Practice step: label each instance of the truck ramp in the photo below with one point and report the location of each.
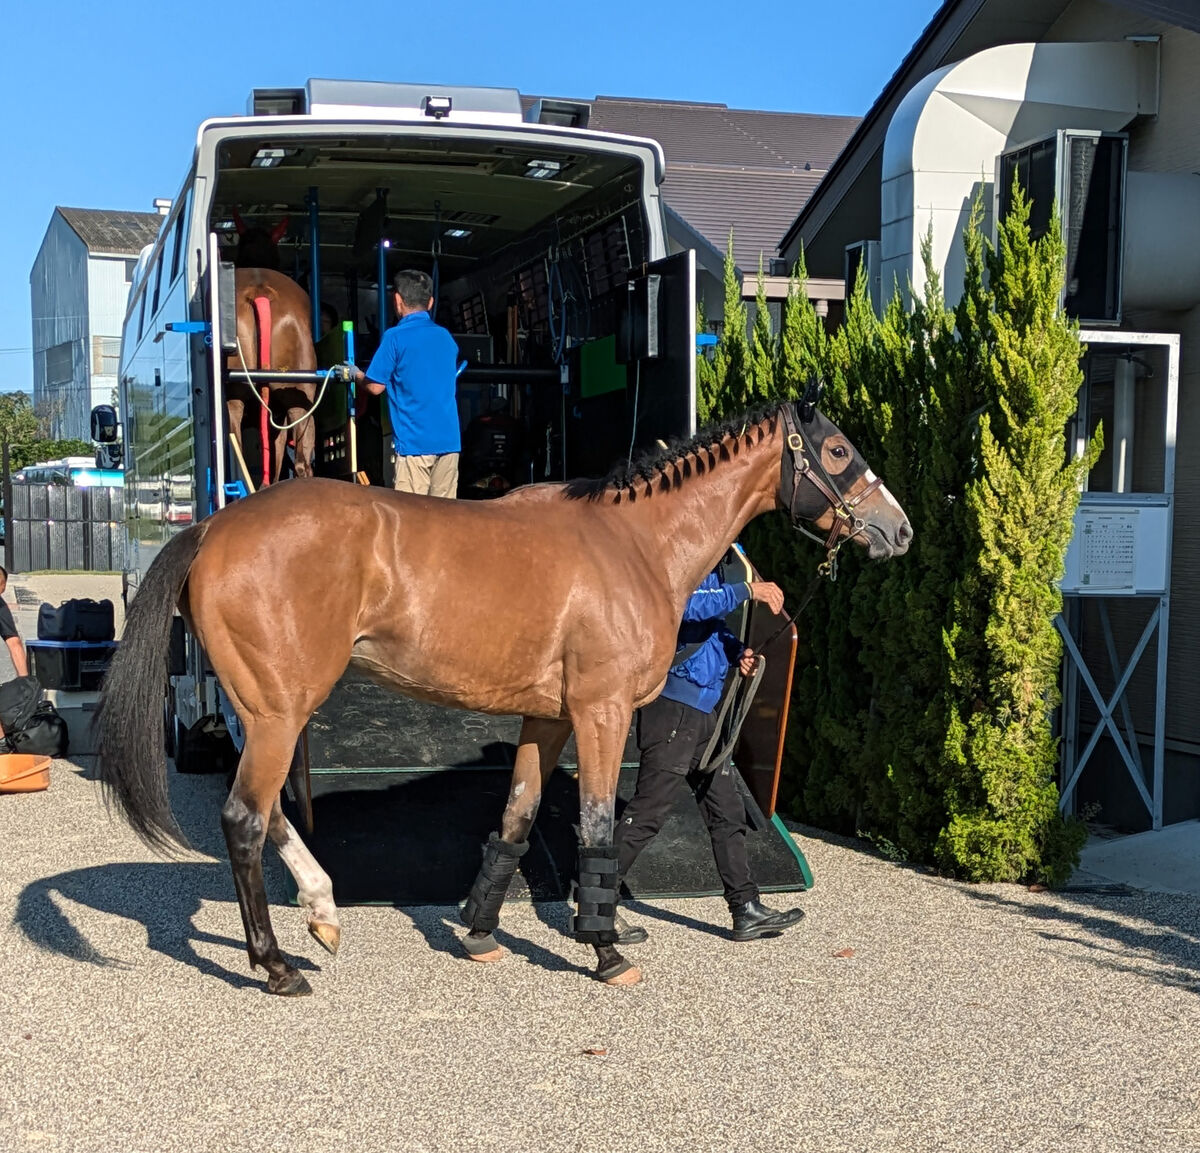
(404, 795)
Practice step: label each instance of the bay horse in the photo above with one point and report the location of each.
(274, 331)
(425, 595)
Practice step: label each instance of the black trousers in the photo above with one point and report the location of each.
(671, 738)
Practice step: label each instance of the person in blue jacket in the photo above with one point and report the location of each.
(673, 732)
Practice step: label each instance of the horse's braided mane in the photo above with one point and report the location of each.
(667, 468)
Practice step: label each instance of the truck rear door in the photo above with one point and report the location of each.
(662, 356)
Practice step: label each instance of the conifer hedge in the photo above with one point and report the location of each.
(926, 686)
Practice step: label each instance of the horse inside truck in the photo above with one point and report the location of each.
(575, 327)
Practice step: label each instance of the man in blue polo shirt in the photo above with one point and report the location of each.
(416, 366)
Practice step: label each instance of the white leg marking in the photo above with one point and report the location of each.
(316, 889)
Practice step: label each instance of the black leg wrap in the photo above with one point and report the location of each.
(596, 894)
(482, 909)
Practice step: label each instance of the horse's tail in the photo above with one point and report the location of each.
(131, 758)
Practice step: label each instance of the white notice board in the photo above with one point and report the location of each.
(1120, 547)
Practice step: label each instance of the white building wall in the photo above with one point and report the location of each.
(108, 292)
(58, 288)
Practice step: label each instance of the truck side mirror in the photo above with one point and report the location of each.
(104, 424)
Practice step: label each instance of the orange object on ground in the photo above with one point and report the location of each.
(24, 773)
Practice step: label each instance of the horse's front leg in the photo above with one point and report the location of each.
(600, 732)
(537, 753)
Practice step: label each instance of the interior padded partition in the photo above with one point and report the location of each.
(415, 838)
(599, 371)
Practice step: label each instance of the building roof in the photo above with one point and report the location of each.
(103, 230)
(731, 168)
(958, 29)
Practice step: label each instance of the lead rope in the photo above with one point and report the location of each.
(274, 424)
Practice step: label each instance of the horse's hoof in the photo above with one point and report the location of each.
(496, 954)
(329, 937)
(291, 983)
(620, 975)
(483, 948)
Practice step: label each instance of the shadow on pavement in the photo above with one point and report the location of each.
(1164, 949)
(163, 896)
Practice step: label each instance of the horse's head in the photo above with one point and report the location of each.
(825, 481)
(258, 247)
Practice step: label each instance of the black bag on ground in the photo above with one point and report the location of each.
(44, 734)
(56, 623)
(94, 620)
(19, 699)
(81, 619)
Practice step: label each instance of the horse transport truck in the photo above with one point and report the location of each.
(576, 328)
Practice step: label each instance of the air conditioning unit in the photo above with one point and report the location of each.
(1083, 173)
(277, 102)
(862, 258)
(563, 113)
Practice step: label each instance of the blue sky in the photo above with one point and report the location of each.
(104, 99)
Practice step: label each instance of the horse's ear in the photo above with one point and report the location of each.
(806, 406)
(278, 232)
(238, 222)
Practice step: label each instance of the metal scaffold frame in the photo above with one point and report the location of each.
(1145, 520)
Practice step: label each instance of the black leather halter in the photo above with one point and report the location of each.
(810, 468)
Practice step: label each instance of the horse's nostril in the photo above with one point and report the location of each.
(904, 533)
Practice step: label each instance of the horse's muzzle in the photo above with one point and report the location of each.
(883, 544)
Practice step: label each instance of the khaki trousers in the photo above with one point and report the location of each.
(428, 475)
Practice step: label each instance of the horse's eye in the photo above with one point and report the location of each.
(838, 452)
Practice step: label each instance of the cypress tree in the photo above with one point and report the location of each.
(803, 347)
(762, 359)
(706, 375)
(731, 364)
(924, 687)
(1001, 754)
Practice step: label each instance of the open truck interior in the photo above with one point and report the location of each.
(540, 254)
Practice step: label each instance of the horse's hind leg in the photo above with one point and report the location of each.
(600, 732)
(537, 753)
(305, 434)
(245, 819)
(312, 882)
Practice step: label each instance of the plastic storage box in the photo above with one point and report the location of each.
(77, 666)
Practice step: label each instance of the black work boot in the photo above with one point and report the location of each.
(628, 934)
(754, 919)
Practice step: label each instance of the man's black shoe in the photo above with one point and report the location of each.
(754, 919)
(628, 934)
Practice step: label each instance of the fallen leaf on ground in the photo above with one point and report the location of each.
(595, 1052)
(844, 953)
